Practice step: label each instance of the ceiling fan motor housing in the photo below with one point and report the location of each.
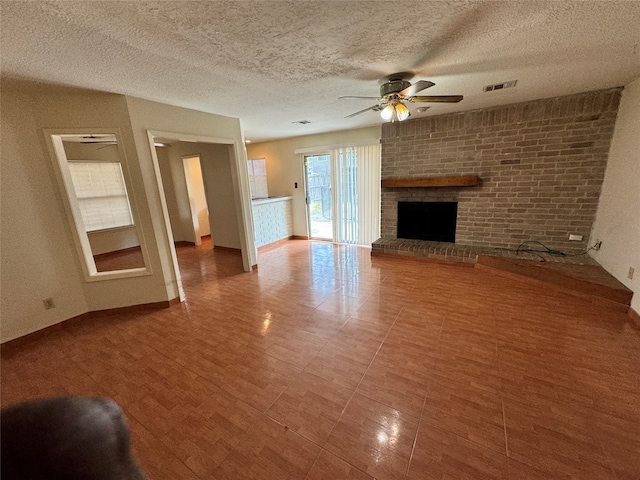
(393, 86)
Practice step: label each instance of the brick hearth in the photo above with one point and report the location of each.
(456, 252)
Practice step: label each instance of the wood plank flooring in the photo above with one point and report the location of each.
(328, 363)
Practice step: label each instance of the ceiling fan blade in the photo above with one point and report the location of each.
(375, 107)
(351, 97)
(437, 99)
(416, 87)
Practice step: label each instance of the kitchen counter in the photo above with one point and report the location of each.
(272, 219)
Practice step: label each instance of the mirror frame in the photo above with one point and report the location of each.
(54, 139)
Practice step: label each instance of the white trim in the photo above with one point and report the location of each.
(54, 141)
(166, 233)
(244, 209)
(241, 191)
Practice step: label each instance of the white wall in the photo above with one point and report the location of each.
(216, 166)
(272, 220)
(72, 110)
(38, 258)
(285, 168)
(166, 172)
(34, 273)
(113, 239)
(189, 124)
(617, 222)
(175, 189)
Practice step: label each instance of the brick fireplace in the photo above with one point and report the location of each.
(540, 165)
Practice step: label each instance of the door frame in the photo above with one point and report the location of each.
(242, 196)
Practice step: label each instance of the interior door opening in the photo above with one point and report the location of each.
(318, 195)
(226, 191)
(343, 194)
(197, 197)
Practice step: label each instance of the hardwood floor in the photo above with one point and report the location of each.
(327, 363)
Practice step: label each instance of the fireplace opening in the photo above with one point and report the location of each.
(432, 221)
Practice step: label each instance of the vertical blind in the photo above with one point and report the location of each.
(101, 194)
(356, 194)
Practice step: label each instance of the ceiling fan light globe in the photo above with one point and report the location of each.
(402, 112)
(387, 113)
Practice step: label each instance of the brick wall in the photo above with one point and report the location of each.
(541, 165)
(272, 220)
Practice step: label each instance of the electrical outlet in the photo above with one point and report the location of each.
(631, 272)
(597, 245)
(48, 303)
(575, 238)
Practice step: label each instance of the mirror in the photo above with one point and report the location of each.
(95, 180)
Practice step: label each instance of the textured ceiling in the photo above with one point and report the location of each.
(272, 63)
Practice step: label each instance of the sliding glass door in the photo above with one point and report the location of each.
(343, 194)
(319, 203)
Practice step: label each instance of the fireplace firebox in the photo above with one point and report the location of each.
(432, 221)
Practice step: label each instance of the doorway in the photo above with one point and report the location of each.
(318, 196)
(197, 197)
(228, 199)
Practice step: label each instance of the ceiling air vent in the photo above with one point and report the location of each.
(500, 86)
(301, 122)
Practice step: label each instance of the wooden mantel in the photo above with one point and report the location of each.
(448, 181)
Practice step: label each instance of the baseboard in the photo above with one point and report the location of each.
(186, 243)
(277, 243)
(183, 243)
(8, 347)
(227, 249)
(299, 237)
(134, 308)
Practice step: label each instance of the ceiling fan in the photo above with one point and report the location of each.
(395, 90)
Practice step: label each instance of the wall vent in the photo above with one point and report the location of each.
(500, 86)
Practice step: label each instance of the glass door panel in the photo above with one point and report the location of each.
(318, 182)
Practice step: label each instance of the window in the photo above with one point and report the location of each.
(101, 193)
(258, 178)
